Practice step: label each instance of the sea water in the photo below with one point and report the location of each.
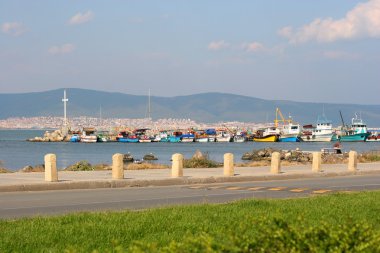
(16, 152)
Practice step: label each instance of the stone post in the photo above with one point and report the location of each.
(177, 165)
(117, 166)
(353, 161)
(275, 167)
(229, 165)
(51, 173)
(317, 162)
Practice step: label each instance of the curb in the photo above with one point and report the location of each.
(124, 183)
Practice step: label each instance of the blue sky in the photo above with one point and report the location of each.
(316, 51)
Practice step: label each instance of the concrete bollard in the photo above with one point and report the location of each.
(177, 165)
(229, 165)
(51, 173)
(117, 166)
(353, 161)
(317, 162)
(275, 166)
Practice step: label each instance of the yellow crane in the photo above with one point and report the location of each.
(278, 113)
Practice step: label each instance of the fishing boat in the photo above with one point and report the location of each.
(88, 135)
(188, 137)
(75, 138)
(269, 134)
(356, 132)
(239, 137)
(374, 137)
(126, 137)
(103, 136)
(289, 131)
(223, 136)
(175, 137)
(323, 132)
(211, 134)
(144, 139)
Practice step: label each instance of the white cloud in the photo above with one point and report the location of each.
(81, 18)
(13, 28)
(64, 49)
(218, 45)
(253, 47)
(362, 21)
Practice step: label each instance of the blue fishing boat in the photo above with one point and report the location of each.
(75, 138)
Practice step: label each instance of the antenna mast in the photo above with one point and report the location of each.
(149, 112)
(64, 100)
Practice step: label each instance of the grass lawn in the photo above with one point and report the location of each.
(336, 223)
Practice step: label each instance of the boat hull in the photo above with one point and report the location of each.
(174, 139)
(205, 139)
(129, 140)
(187, 140)
(354, 137)
(223, 139)
(269, 138)
(317, 138)
(288, 139)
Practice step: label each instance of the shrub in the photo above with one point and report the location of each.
(204, 162)
(80, 166)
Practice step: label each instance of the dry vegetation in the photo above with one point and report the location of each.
(145, 166)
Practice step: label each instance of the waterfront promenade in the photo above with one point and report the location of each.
(34, 181)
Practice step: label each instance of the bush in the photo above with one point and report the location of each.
(200, 163)
(80, 166)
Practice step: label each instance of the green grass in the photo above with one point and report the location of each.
(335, 223)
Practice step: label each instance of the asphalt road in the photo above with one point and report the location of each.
(25, 204)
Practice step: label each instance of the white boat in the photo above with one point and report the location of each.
(239, 138)
(223, 136)
(201, 139)
(322, 133)
(88, 135)
(211, 138)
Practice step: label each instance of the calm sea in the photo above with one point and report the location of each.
(16, 152)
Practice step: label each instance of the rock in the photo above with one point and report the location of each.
(199, 155)
(247, 156)
(261, 153)
(150, 157)
(28, 168)
(287, 155)
(128, 158)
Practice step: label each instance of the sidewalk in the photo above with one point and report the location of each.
(34, 181)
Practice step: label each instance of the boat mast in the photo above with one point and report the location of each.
(341, 117)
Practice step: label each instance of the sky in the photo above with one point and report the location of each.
(314, 51)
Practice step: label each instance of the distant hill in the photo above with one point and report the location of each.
(205, 107)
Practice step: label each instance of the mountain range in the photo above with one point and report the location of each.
(204, 107)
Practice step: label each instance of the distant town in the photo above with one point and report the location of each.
(77, 123)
